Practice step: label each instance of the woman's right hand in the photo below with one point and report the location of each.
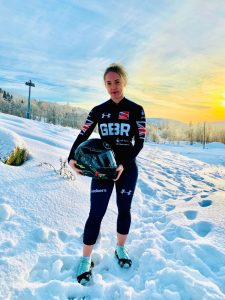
(72, 163)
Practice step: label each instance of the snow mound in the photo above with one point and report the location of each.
(13, 150)
(6, 212)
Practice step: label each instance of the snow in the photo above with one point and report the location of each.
(9, 140)
(176, 239)
(5, 212)
(212, 154)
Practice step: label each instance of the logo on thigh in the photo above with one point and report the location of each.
(99, 191)
(128, 193)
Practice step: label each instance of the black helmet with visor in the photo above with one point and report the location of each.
(96, 159)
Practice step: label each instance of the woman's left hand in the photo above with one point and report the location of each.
(119, 169)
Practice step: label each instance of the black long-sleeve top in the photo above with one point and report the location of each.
(122, 125)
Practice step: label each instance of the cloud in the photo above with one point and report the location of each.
(173, 50)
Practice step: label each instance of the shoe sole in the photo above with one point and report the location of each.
(123, 263)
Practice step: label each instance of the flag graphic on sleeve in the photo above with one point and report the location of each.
(123, 115)
(86, 126)
(141, 129)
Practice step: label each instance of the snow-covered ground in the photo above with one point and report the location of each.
(177, 235)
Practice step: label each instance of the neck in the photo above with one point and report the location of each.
(117, 101)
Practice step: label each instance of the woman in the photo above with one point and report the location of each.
(119, 121)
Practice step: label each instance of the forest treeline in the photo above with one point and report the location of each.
(67, 115)
(172, 132)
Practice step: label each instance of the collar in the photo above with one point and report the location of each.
(118, 104)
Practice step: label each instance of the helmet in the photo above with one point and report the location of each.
(95, 157)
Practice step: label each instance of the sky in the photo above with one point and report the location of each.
(173, 51)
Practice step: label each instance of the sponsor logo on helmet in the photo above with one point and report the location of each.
(106, 146)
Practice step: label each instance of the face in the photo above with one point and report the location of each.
(115, 86)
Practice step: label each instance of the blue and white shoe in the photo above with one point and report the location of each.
(123, 257)
(84, 271)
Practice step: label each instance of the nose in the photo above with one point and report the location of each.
(113, 87)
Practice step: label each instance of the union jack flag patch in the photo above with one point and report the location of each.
(123, 115)
(86, 126)
(141, 129)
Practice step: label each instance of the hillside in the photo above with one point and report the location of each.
(177, 235)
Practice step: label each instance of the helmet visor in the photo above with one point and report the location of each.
(104, 160)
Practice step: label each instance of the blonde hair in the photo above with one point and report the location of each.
(117, 68)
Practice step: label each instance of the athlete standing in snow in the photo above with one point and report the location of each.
(120, 121)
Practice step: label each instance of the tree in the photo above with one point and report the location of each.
(190, 134)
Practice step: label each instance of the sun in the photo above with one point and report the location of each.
(223, 102)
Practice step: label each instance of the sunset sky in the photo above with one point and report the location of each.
(174, 53)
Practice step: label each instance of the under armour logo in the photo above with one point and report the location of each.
(123, 191)
(106, 115)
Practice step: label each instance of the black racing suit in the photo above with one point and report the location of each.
(122, 125)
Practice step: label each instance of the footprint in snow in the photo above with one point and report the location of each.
(169, 172)
(63, 236)
(202, 228)
(188, 199)
(156, 207)
(205, 203)
(173, 231)
(53, 268)
(146, 189)
(195, 186)
(170, 207)
(196, 177)
(160, 183)
(7, 248)
(209, 183)
(204, 196)
(71, 242)
(190, 214)
(40, 235)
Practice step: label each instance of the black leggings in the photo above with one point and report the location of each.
(101, 191)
